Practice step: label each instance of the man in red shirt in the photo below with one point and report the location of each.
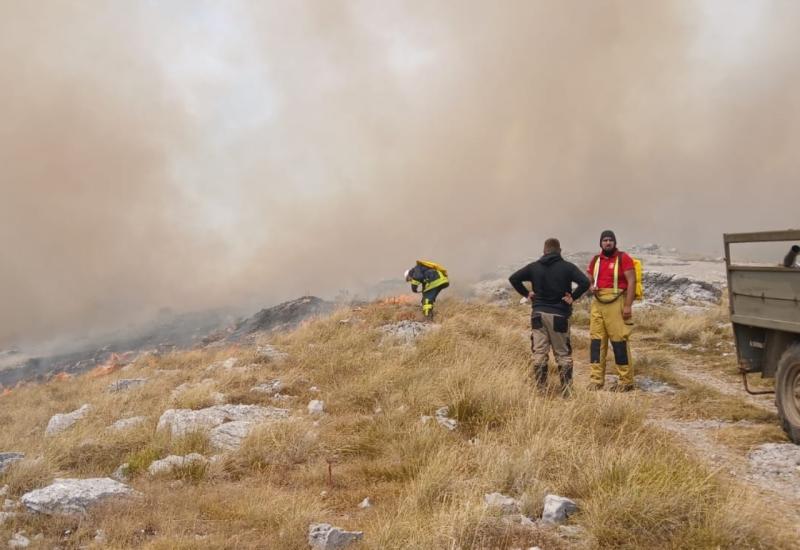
(613, 279)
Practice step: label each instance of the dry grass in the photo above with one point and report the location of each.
(634, 488)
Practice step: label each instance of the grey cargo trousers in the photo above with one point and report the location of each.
(551, 331)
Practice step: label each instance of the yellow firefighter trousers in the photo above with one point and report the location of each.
(606, 324)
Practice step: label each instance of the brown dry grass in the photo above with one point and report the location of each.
(635, 489)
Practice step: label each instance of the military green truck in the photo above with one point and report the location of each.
(765, 313)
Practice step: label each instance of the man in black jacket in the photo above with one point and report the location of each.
(551, 293)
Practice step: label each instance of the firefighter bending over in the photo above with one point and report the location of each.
(430, 278)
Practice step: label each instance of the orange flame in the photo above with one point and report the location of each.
(112, 364)
(400, 299)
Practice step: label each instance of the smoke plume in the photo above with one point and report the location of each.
(198, 154)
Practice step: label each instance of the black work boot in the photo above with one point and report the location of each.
(566, 381)
(540, 377)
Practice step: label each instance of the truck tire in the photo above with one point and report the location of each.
(787, 392)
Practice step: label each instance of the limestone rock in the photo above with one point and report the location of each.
(407, 331)
(315, 406)
(183, 421)
(166, 465)
(7, 459)
(122, 473)
(19, 541)
(229, 436)
(506, 505)
(324, 536)
(557, 509)
(651, 385)
(283, 316)
(60, 422)
(125, 384)
(444, 420)
(128, 423)
(271, 387)
(74, 496)
(674, 289)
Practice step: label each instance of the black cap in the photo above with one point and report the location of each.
(795, 248)
(608, 233)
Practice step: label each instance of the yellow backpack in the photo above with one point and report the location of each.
(432, 265)
(637, 268)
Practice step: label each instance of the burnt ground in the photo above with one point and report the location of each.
(169, 333)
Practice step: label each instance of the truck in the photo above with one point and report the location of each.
(765, 313)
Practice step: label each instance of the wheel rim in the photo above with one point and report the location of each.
(791, 395)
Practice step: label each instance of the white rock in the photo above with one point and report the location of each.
(315, 406)
(60, 422)
(19, 541)
(283, 397)
(314, 389)
(166, 465)
(7, 459)
(122, 473)
(506, 505)
(74, 496)
(323, 536)
(444, 421)
(270, 387)
(100, 537)
(229, 436)
(557, 509)
(365, 503)
(125, 384)
(183, 421)
(407, 331)
(128, 423)
(651, 385)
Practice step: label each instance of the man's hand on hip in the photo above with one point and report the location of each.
(627, 312)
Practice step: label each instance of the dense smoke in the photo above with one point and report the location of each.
(197, 154)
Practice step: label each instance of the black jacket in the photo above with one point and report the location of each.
(423, 275)
(551, 277)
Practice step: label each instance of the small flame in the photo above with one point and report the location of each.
(400, 299)
(113, 363)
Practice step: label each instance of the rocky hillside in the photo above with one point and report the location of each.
(363, 428)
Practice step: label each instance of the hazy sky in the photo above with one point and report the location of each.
(193, 154)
